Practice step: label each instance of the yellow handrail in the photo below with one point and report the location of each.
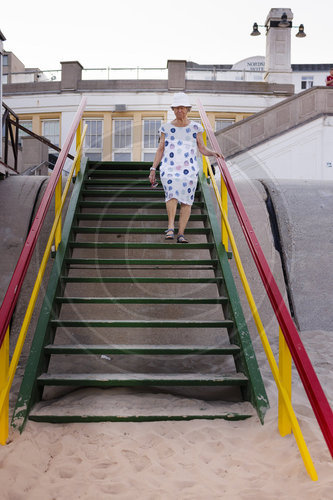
(4, 366)
(283, 392)
(285, 374)
(27, 318)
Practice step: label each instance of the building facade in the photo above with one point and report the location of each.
(123, 116)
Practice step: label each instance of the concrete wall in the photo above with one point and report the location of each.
(291, 140)
(303, 153)
(34, 152)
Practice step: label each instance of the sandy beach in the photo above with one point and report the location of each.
(175, 460)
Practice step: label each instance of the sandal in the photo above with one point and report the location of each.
(181, 239)
(169, 234)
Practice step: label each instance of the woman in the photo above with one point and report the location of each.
(176, 152)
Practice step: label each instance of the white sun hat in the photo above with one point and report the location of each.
(180, 99)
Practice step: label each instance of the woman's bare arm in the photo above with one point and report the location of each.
(203, 148)
(158, 157)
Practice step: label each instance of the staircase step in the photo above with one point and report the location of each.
(135, 217)
(133, 279)
(110, 203)
(147, 246)
(136, 193)
(142, 349)
(140, 300)
(143, 262)
(128, 183)
(97, 323)
(107, 405)
(139, 379)
(117, 165)
(134, 230)
(120, 173)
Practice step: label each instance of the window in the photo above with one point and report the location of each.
(5, 60)
(306, 82)
(51, 130)
(150, 138)
(27, 124)
(122, 140)
(223, 123)
(93, 143)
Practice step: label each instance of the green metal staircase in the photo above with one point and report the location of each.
(134, 327)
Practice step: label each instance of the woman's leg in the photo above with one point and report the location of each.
(171, 207)
(184, 215)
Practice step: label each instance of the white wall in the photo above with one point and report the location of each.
(319, 78)
(305, 152)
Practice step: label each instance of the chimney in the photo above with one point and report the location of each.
(71, 74)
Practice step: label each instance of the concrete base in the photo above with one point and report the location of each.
(18, 196)
(304, 215)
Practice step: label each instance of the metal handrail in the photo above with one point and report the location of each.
(8, 122)
(11, 368)
(311, 384)
(279, 376)
(15, 285)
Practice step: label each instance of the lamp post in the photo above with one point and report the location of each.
(278, 41)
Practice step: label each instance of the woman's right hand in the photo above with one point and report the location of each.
(152, 176)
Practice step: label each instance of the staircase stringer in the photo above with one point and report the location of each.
(247, 363)
(38, 362)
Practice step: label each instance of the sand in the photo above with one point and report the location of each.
(175, 460)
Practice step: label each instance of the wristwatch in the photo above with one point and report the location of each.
(152, 168)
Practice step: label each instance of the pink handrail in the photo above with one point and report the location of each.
(315, 393)
(15, 285)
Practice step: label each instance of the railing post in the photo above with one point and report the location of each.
(78, 140)
(204, 160)
(4, 367)
(285, 376)
(224, 198)
(57, 195)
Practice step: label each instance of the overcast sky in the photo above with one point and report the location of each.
(146, 33)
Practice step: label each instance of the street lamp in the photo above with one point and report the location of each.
(278, 26)
(282, 23)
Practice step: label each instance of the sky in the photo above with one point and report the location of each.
(146, 33)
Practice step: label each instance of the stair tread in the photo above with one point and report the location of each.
(128, 204)
(126, 403)
(134, 279)
(122, 182)
(142, 300)
(111, 164)
(134, 230)
(143, 323)
(140, 246)
(134, 217)
(138, 193)
(144, 262)
(142, 378)
(141, 348)
(118, 172)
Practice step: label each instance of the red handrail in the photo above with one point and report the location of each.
(315, 393)
(15, 285)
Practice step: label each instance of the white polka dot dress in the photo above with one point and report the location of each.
(179, 167)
